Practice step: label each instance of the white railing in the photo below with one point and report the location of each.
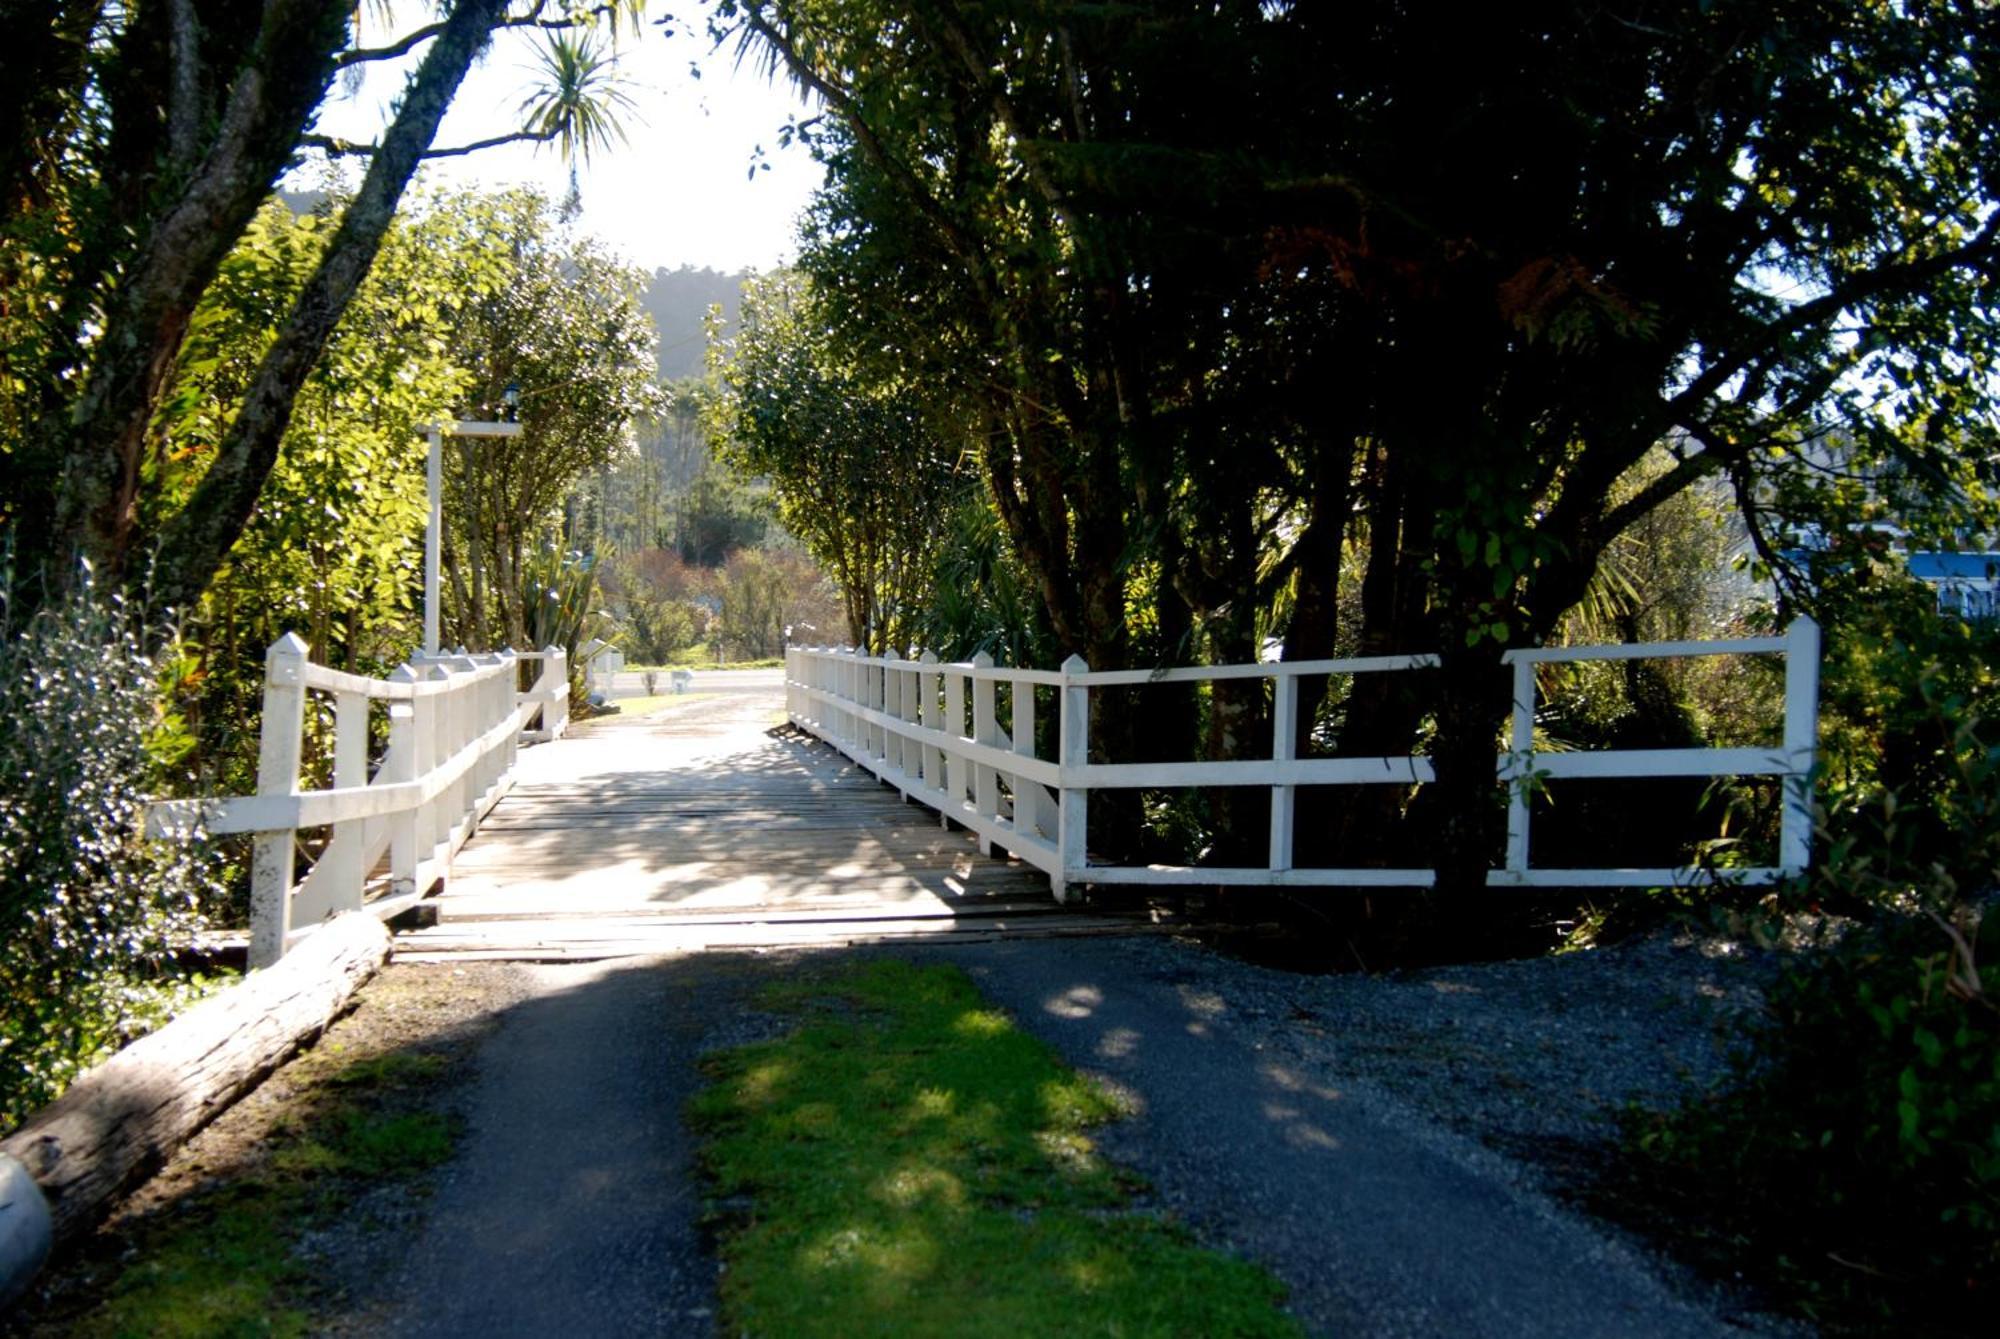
(905, 720)
(454, 724)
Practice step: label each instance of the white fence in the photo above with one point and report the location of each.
(905, 720)
(454, 724)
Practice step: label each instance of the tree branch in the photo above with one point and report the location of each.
(340, 148)
(1983, 246)
(417, 37)
(196, 541)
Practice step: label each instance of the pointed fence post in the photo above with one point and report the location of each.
(892, 707)
(555, 706)
(985, 730)
(1801, 744)
(955, 778)
(1073, 822)
(277, 774)
(928, 713)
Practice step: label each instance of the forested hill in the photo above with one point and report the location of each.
(678, 300)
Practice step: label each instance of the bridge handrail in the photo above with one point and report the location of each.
(905, 720)
(454, 725)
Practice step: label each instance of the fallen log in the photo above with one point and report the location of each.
(121, 1119)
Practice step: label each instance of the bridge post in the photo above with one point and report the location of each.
(1520, 765)
(851, 692)
(892, 707)
(1073, 821)
(335, 882)
(400, 764)
(985, 730)
(878, 702)
(928, 712)
(1801, 744)
(955, 779)
(1284, 749)
(271, 857)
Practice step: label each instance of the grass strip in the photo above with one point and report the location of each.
(221, 1261)
(908, 1162)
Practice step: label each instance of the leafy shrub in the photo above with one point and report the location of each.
(87, 906)
(1858, 1147)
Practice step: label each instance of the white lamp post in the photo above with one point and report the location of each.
(434, 528)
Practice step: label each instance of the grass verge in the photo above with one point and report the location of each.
(222, 1260)
(908, 1162)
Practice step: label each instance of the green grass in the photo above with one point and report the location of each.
(220, 1263)
(908, 1162)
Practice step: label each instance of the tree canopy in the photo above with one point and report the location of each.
(1224, 292)
(137, 143)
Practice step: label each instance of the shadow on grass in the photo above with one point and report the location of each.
(908, 1162)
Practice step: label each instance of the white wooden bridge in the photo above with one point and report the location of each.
(717, 821)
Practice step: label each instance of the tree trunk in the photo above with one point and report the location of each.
(199, 537)
(122, 1118)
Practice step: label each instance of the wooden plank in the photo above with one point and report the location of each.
(634, 838)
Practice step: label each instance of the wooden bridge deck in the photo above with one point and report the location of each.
(709, 826)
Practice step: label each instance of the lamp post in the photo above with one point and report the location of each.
(434, 527)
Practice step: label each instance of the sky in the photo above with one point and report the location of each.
(679, 192)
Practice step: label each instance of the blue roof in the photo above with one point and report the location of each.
(1955, 566)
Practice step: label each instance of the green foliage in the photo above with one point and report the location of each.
(861, 473)
(334, 547)
(979, 596)
(719, 516)
(565, 328)
(1467, 303)
(910, 1163)
(764, 592)
(559, 603)
(1860, 1139)
(88, 907)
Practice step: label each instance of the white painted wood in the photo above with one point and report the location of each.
(1048, 802)
(1211, 673)
(986, 731)
(1735, 646)
(931, 713)
(277, 774)
(1517, 770)
(956, 783)
(399, 767)
(455, 724)
(334, 883)
(892, 710)
(1610, 763)
(1284, 750)
(1252, 772)
(1169, 876)
(1073, 756)
(1631, 878)
(1801, 743)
